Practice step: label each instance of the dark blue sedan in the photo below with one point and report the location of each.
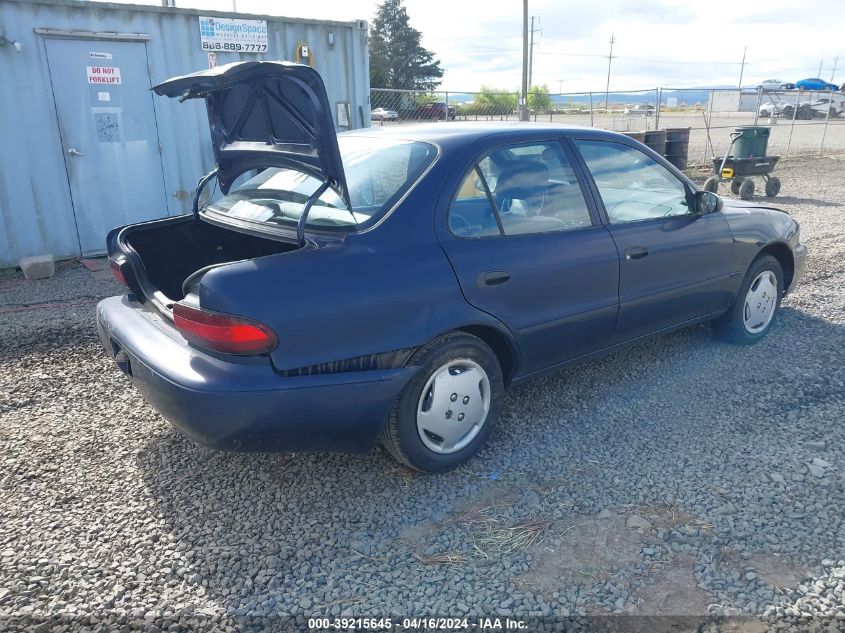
(386, 286)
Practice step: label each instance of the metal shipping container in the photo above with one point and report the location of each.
(87, 146)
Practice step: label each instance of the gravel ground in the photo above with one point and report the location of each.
(699, 478)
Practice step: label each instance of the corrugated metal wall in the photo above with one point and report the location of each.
(36, 212)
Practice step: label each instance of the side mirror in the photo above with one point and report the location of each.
(707, 202)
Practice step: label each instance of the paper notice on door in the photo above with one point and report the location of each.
(342, 114)
(104, 96)
(107, 125)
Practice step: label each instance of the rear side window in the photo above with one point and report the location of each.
(533, 189)
(471, 214)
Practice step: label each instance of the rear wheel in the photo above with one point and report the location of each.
(446, 412)
(735, 183)
(746, 189)
(752, 314)
(711, 184)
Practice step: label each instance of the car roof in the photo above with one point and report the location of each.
(459, 132)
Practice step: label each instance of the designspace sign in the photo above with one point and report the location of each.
(104, 75)
(236, 36)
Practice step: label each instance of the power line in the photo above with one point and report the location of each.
(494, 49)
(647, 60)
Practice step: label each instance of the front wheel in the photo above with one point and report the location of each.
(711, 184)
(751, 316)
(446, 412)
(746, 189)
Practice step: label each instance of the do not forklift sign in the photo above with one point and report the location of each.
(103, 75)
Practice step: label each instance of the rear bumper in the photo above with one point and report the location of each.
(243, 405)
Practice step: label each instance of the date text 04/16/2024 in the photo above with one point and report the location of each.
(416, 624)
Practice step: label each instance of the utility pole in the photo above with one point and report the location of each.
(531, 50)
(523, 97)
(560, 86)
(609, 59)
(742, 67)
(835, 64)
(819, 74)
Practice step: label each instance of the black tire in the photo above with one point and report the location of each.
(772, 186)
(735, 184)
(746, 189)
(764, 113)
(400, 437)
(711, 184)
(730, 326)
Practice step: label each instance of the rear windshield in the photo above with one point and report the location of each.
(378, 173)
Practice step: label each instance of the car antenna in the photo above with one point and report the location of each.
(200, 186)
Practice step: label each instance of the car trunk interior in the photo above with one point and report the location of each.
(171, 252)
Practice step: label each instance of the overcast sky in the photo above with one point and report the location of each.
(672, 43)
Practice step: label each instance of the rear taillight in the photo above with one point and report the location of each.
(223, 332)
(117, 271)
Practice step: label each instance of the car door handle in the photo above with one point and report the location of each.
(636, 252)
(493, 278)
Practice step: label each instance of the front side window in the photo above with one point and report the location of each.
(533, 189)
(632, 185)
(378, 172)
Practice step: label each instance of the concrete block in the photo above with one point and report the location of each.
(38, 267)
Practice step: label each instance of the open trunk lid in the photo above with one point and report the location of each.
(266, 114)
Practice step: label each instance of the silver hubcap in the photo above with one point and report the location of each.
(760, 302)
(453, 406)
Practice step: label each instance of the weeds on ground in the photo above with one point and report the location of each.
(495, 534)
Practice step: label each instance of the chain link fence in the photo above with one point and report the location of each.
(802, 122)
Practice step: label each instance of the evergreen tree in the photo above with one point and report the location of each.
(397, 59)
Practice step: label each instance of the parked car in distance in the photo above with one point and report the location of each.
(815, 84)
(436, 111)
(777, 108)
(383, 114)
(818, 108)
(773, 84)
(836, 105)
(386, 286)
(644, 109)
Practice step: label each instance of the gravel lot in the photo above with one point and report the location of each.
(698, 478)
